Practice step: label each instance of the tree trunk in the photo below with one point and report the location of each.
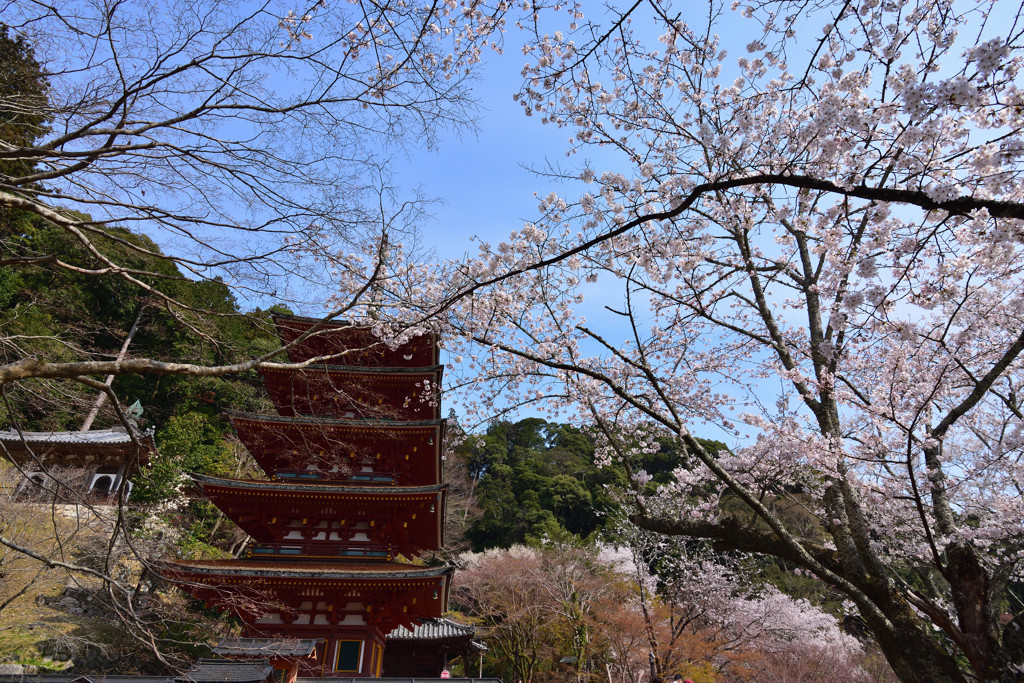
(914, 655)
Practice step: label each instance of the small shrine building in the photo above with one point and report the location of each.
(95, 464)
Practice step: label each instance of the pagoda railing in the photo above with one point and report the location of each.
(363, 551)
(377, 478)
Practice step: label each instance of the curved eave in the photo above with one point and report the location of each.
(75, 449)
(250, 504)
(343, 392)
(251, 587)
(285, 487)
(335, 448)
(294, 570)
(358, 370)
(302, 421)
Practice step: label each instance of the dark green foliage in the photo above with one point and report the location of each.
(189, 442)
(23, 100)
(60, 315)
(537, 480)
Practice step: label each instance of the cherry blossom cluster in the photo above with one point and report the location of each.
(817, 258)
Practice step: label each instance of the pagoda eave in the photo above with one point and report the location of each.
(410, 452)
(270, 596)
(408, 519)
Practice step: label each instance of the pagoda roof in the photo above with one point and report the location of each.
(357, 369)
(297, 570)
(354, 343)
(407, 519)
(318, 488)
(93, 448)
(347, 392)
(382, 595)
(266, 647)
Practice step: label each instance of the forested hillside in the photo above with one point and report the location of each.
(534, 480)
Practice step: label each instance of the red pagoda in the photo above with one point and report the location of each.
(353, 497)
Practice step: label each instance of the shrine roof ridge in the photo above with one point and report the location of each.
(268, 484)
(311, 420)
(94, 436)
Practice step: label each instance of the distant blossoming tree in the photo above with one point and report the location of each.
(550, 611)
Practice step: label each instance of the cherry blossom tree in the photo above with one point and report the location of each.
(706, 615)
(813, 246)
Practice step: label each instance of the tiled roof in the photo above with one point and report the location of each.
(95, 436)
(433, 629)
(266, 647)
(203, 671)
(92, 678)
(227, 671)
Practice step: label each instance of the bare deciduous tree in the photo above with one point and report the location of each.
(250, 141)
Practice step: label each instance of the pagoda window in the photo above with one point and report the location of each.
(349, 655)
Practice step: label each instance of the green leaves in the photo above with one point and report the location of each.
(190, 442)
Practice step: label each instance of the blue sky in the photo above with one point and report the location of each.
(479, 176)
